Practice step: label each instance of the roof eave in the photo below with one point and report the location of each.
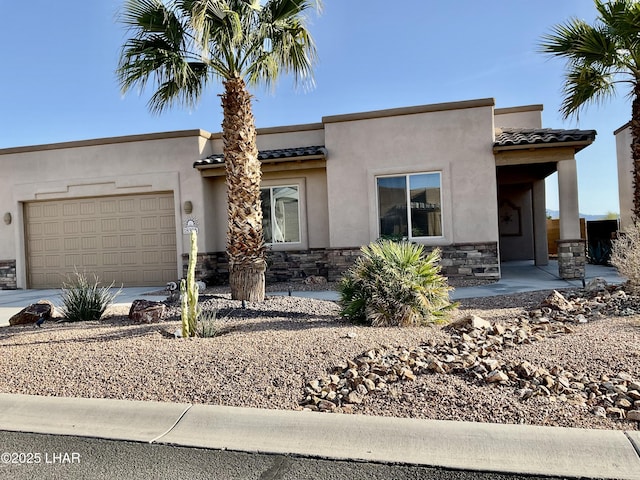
(577, 145)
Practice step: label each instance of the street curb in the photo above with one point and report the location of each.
(517, 449)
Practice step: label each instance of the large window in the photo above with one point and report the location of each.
(281, 214)
(410, 205)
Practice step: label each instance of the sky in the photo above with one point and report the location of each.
(58, 82)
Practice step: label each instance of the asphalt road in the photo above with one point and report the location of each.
(65, 457)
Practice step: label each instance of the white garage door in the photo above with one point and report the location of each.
(130, 240)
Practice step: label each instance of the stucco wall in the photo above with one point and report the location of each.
(313, 208)
(454, 141)
(120, 166)
(625, 179)
(529, 116)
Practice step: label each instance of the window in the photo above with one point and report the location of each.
(411, 212)
(281, 214)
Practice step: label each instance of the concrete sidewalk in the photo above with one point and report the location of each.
(482, 447)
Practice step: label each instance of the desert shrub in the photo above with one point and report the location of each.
(207, 325)
(395, 284)
(625, 256)
(85, 300)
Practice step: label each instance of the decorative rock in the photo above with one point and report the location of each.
(557, 301)
(326, 406)
(616, 412)
(315, 280)
(42, 310)
(145, 311)
(473, 350)
(496, 376)
(472, 321)
(354, 397)
(596, 284)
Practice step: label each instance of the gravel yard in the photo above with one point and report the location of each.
(268, 354)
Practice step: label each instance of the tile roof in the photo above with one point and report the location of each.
(279, 153)
(513, 137)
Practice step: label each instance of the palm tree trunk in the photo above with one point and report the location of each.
(635, 149)
(245, 245)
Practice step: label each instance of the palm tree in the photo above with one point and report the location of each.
(600, 57)
(182, 45)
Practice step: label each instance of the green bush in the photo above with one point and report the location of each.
(84, 300)
(395, 284)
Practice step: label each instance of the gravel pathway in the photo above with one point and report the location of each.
(267, 353)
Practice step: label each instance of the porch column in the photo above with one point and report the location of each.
(540, 246)
(568, 196)
(571, 248)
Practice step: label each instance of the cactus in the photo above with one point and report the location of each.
(189, 292)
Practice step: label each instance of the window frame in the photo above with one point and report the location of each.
(300, 184)
(407, 177)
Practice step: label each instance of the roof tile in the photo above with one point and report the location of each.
(284, 153)
(531, 136)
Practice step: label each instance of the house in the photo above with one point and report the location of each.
(464, 176)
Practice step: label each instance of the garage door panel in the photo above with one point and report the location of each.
(128, 225)
(52, 245)
(70, 227)
(71, 209)
(109, 225)
(167, 240)
(127, 240)
(110, 242)
(71, 261)
(51, 211)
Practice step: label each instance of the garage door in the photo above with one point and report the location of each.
(130, 240)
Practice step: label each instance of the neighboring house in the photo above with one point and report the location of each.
(625, 175)
(462, 176)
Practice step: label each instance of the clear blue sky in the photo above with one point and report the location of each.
(58, 82)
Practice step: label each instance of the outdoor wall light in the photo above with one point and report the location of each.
(188, 207)
(7, 218)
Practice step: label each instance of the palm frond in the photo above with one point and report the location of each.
(585, 84)
(599, 56)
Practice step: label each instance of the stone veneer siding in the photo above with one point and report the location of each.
(479, 260)
(571, 258)
(8, 275)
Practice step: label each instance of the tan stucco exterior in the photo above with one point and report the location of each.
(625, 178)
(455, 141)
(338, 201)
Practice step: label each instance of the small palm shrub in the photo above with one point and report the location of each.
(625, 256)
(84, 300)
(395, 284)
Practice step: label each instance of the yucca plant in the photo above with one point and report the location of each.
(84, 300)
(395, 284)
(208, 325)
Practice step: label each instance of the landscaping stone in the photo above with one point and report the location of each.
(472, 351)
(36, 312)
(146, 311)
